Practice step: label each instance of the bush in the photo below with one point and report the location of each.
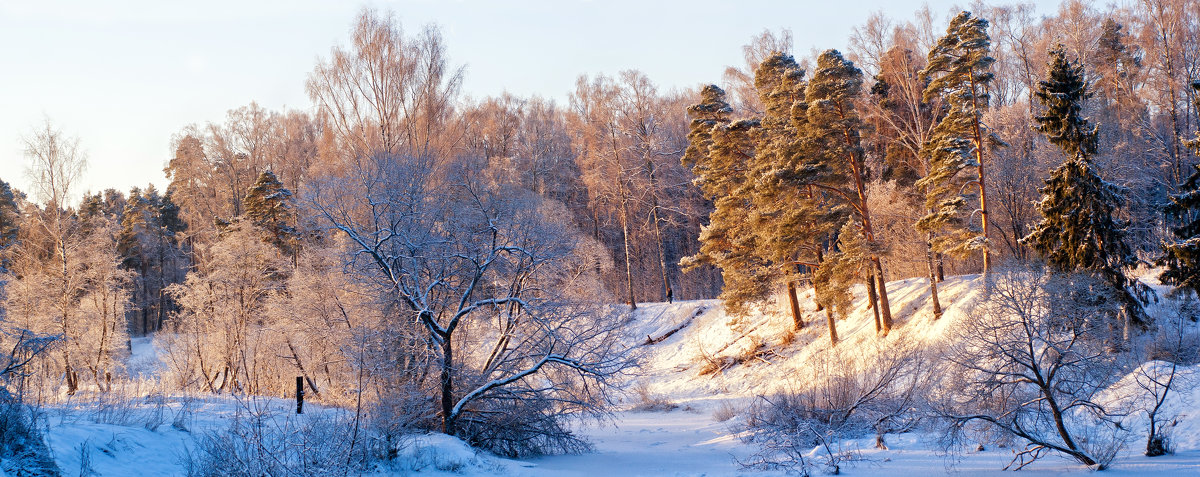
(801, 430)
(261, 441)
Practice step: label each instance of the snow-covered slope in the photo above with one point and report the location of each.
(762, 353)
(698, 360)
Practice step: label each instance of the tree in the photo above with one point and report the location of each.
(56, 163)
(959, 72)
(835, 131)
(1181, 256)
(223, 311)
(906, 123)
(148, 246)
(10, 217)
(269, 207)
(1079, 230)
(1029, 363)
(720, 153)
(388, 92)
(498, 285)
(606, 166)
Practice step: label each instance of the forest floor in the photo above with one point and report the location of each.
(702, 368)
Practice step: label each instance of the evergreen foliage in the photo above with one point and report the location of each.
(1181, 257)
(9, 220)
(959, 71)
(269, 207)
(1079, 230)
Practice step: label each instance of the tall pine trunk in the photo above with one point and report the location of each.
(794, 301)
(833, 336)
(933, 290)
(872, 298)
(977, 130)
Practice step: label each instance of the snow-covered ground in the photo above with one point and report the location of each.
(683, 343)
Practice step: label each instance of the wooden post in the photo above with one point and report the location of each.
(299, 395)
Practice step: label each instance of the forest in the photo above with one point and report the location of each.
(430, 262)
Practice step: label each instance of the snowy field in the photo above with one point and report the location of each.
(688, 434)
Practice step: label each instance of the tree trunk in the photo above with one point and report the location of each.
(833, 337)
(662, 253)
(623, 193)
(447, 385)
(977, 129)
(628, 264)
(873, 299)
(885, 307)
(797, 317)
(941, 268)
(933, 291)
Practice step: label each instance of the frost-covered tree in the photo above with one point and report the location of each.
(834, 131)
(1030, 362)
(223, 314)
(959, 72)
(499, 287)
(1080, 230)
(269, 207)
(1181, 256)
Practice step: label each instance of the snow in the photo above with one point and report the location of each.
(677, 340)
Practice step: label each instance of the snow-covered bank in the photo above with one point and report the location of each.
(702, 364)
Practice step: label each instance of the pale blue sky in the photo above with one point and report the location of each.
(126, 75)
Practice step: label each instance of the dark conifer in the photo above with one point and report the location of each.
(1079, 230)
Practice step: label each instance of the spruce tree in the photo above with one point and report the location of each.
(1181, 256)
(269, 207)
(1079, 230)
(9, 221)
(959, 72)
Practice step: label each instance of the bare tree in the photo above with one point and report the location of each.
(387, 92)
(1030, 362)
(499, 287)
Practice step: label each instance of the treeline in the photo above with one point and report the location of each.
(1060, 138)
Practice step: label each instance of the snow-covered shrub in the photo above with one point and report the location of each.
(725, 411)
(519, 427)
(648, 400)
(844, 397)
(262, 440)
(22, 449)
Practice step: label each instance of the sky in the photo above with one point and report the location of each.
(125, 76)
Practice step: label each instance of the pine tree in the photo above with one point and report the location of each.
(9, 220)
(832, 280)
(710, 112)
(269, 207)
(834, 131)
(1079, 230)
(959, 72)
(1181, 257)
(719, 153)
(788, 218)
(729, 241)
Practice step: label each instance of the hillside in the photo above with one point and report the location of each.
(701, 369)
